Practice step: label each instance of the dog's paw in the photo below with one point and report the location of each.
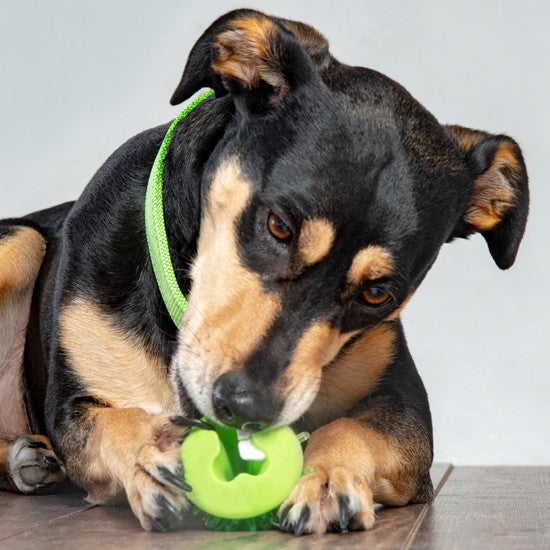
(328, 500)
(156, 491)
(32, 466)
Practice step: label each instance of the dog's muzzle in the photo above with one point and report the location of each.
(243, 404)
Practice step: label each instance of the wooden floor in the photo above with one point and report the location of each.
(475, 508)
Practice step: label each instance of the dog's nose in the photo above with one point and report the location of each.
(240, 403)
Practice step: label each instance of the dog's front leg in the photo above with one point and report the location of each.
(350, 465)
(129, 450)
(110, 413)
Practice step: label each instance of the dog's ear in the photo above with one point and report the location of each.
(257, 58)
(499, 201)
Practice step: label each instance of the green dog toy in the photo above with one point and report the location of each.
(238, 480)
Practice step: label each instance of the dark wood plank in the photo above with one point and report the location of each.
(117, 527)
(19, 513)
(485, 508)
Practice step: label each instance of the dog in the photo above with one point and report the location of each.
(304, 204)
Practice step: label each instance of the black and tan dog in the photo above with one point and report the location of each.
(304, 203)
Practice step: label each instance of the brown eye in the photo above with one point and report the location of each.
(375, 296)
(278, 228)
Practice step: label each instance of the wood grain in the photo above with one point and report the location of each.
(20, 513)
(117, 527)
(489, 508)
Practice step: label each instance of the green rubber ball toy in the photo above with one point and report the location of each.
(225, 485)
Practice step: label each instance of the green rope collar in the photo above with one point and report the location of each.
(155, 228)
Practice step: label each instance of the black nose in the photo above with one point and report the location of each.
(241, 403)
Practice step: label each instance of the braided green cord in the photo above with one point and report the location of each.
(155, 227)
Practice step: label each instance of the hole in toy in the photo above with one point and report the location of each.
(229, 440)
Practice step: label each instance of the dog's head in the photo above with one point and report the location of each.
(324, 206)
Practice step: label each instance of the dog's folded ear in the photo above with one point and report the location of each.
(257, 58)
(499, 201)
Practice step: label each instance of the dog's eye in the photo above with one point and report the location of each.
(278, 228)
(375, 296)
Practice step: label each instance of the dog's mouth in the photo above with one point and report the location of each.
(225, 415)
(190, 399)
(213, 379)
(232, 399)
(220, 416)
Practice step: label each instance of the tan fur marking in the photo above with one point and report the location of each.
(228, 309)
(493, 194)
(411, 441)
(21, 255)
(385, 491)
(126, 449)
(236, 309)
(315, 241)
(259, 28)
(317, 346)
(114, 366)
(13, 416)
(354, 374)
(372, 262)
(343, 441)
(368, 454)
(246, 53)
(111, 451)
(507, 156)
(348, 458)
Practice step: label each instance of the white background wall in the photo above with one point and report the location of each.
(78, 78)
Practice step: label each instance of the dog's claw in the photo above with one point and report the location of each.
(344, 513)
(185, 421)
(174, 479)
(282, 517)
(285, 523)
(165, 503)
(300, 526)
(203, 425)
(285, 512)
(156, 524)
(52, 464)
